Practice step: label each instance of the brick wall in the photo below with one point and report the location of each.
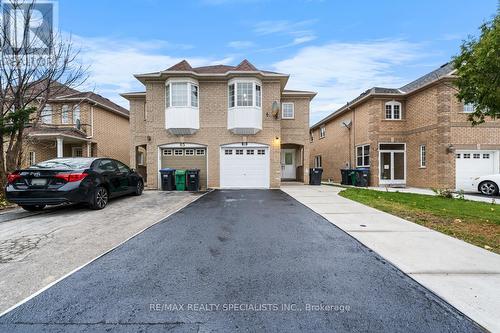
(432, 117)
(213, 130)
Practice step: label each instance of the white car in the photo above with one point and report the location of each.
(487, 185)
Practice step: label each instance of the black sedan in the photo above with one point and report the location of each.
(72, 180)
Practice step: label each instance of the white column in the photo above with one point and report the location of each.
(59, 147)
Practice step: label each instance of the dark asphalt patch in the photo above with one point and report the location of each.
(243, 260)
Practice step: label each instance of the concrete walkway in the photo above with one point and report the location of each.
(467, 196)
(464, 275)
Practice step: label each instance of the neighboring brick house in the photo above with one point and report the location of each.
(74, 124)
(237, 124)
(417, 135)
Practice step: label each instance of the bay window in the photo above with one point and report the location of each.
(181, 94)
(244, 93)
(182, 114)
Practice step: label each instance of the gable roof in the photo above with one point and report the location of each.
(94, 98)
(436, 74)
(181, 66)
(443, 71)
(184, 66)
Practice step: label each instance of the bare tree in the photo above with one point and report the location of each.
(35, 64)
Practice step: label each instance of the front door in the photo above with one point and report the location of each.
(288, 169)
(392, 164)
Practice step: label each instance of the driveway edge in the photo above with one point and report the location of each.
(97, 257)
(423, 288)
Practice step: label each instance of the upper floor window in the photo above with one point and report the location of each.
(469, 108)
(363, 156)
(65, 114)
(322, 132)
(244, 93)
(181, 94)
(393, 110)
(76, 114)
(46, 115)
(287, 111)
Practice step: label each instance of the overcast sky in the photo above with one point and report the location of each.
(337, 48)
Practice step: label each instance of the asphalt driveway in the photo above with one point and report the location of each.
(37, 249)
(243, 260)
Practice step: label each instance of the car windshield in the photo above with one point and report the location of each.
(64, 163)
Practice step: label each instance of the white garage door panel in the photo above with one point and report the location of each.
(245, 170)
(474, 163)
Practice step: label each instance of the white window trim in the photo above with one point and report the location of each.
(46, 115)
(322, 132)
(423, 156)
(76, 111)
(65, 114)
(283, 110)
(468, 108)
(190, 82)
(363, 165)
(255, 82)
(31, 158)
(317, 159)
(392, 104)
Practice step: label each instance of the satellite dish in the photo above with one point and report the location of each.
(347, 124)
(276, 109)
(78, 124)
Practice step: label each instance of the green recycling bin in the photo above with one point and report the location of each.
(180, 180)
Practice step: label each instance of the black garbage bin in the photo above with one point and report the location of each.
(315, 176)
(346, 179)
(363, 177)
(193, 179)
(167, 179)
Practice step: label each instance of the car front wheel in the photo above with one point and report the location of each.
(99, 199)
(488, 188)
(139, 188)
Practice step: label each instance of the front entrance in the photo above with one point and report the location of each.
(288, 165)
(392, 163)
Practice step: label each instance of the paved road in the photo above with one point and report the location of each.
(242, 255)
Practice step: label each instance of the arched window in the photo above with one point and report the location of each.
(393, 110)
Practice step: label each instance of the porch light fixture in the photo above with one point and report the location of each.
(450, 149)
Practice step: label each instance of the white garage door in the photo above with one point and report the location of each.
(473, 163)
(244, 166)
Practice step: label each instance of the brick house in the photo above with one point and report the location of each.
(237, 124)
(417, 135)
(74, 124)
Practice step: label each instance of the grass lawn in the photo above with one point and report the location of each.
(475, 222)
